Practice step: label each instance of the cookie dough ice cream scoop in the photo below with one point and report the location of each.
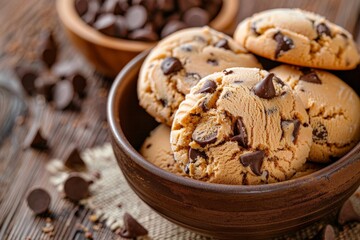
(241, 126)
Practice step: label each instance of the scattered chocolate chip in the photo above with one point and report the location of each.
(76, 188)
(38, 200)
(48, 49)
(212, 62)
(347, 213)
(81, 6)
(327, 233)
(228, 72)
(296, 127)
(136, 17)
(284, 44)
(322, 28)
(45, 87)
(265, 88)
(74, 160)
(309, 75)
(204, 136)
(254, 160)
(171, 27)
(132, 228)
(27, 77)
(196, 17)
(35, 140)
(171, 65)
(192, 77)
(194, 154)
(63, 94)
(239, 133)
(79, 83)
(208, 87)
(144, 35)
(319, 133)
(223, 43)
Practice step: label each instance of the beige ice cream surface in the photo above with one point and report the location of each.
(241, 126)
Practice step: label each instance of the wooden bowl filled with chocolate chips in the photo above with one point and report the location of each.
(110, 33)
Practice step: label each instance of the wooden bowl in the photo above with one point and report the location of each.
(109, 55)
(218, 210)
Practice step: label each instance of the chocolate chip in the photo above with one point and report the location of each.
(27, 77)
(204, 136)
(132, 228)
(81, 6)
(136, 17)
(192, 77)
(166, 5)
(212, 62)
(63, 94)
(254, 29)
(196, 17)
(35, 139)
(38, 200)
(344, 35)
(239, 133)
(187, 169)
(309, 76)
(171, 65)
(194, 154)
(327, 233)
(208, 87)
(296, 127)
(74, 160)
(76, 188)
(120, 27)
(322, 28)
(319, 133)
(347, 213)
(163, 102)
(171, 27)
(79, 83)
(284, 44)
(254, 160)
(106, 24)
(144, 35)
(114, 7)
(228, 72)
(93, 11)
(186, 48)
(265, 88)
(48, 49)
(187, 4)
(223, 43)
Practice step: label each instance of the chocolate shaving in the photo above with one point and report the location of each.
(254, 160)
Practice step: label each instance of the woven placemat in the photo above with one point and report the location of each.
(111, 197)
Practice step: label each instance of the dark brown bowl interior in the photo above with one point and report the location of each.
(224, 211)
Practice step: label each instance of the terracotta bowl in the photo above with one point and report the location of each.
(109, 55)
(223, 211)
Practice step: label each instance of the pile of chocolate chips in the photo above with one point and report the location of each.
(146, 20)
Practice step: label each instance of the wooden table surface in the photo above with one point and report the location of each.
(20, 170)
